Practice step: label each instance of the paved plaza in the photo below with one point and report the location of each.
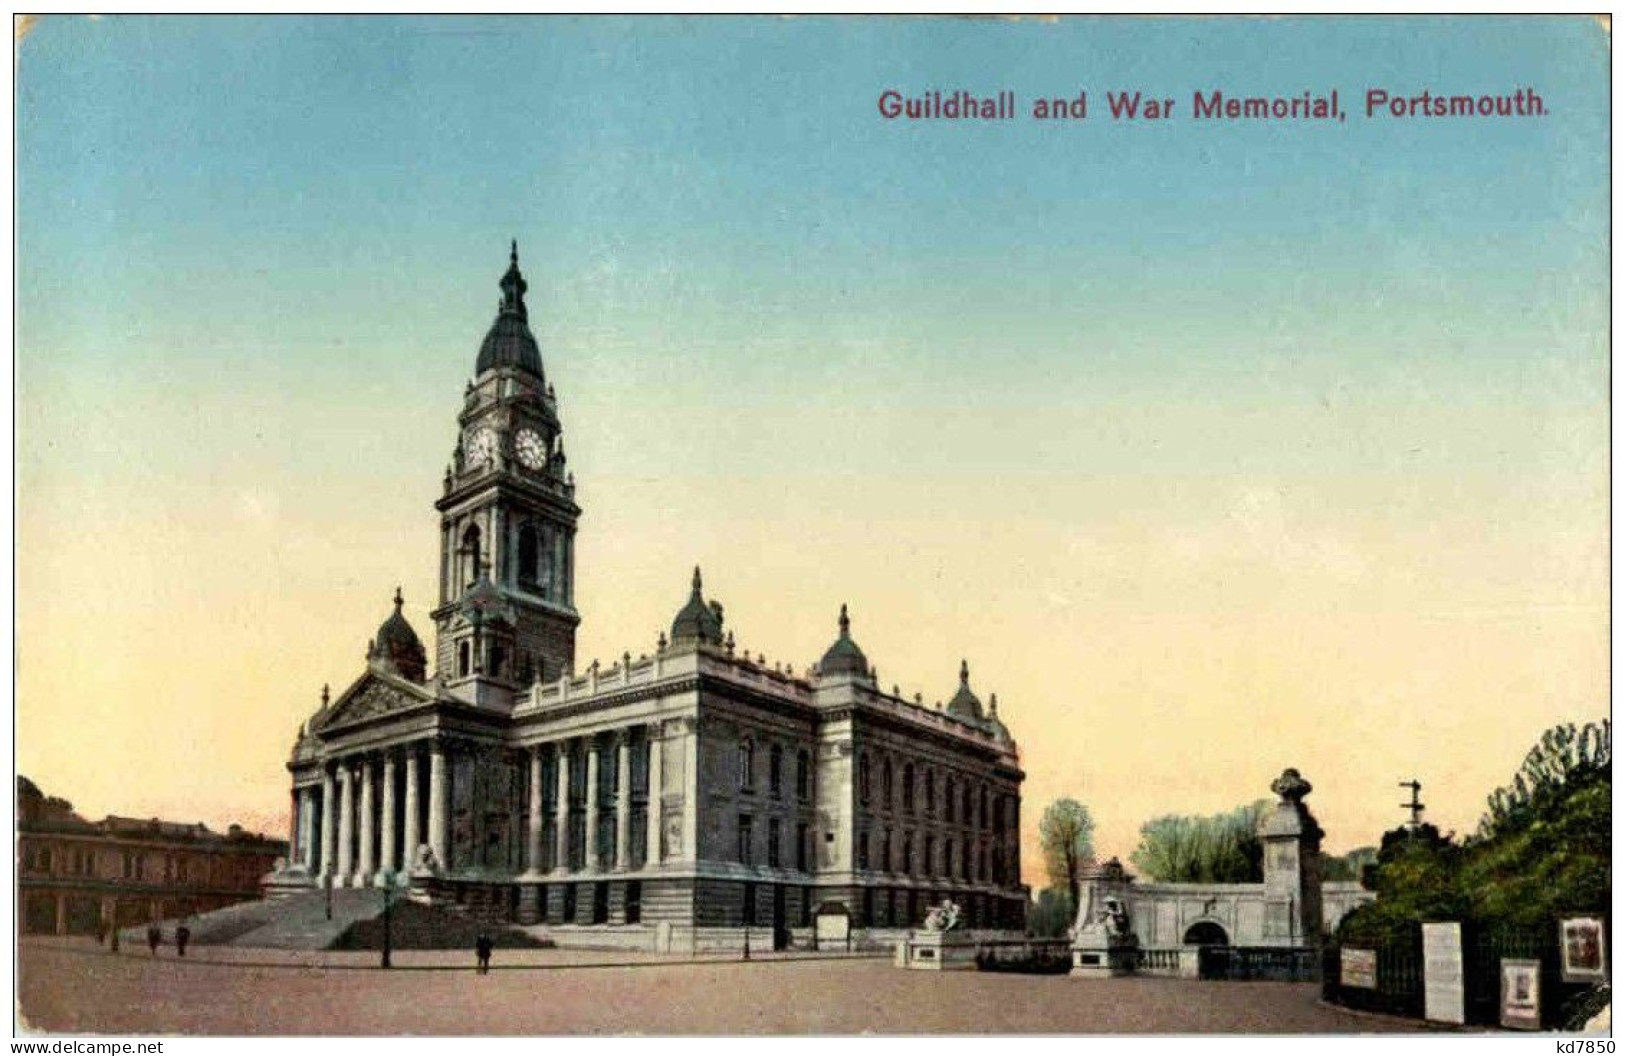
(76, 987)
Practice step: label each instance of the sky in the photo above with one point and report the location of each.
(1213, 447)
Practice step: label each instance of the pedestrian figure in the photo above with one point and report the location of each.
(155, 937)
(112, 937)
(101, 932)
(482, 950)
(182, 934)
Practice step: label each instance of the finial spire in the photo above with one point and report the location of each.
(696, 581)
(513, 284)
(846, 622)
(399, 601)
(964, 673)
(324, 694)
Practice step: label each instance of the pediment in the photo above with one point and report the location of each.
(369, 697)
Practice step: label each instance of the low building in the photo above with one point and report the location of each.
(1292, 908)
(75, 875)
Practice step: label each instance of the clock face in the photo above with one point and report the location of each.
(532, 452)
(482, 446)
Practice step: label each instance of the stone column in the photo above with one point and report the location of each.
(365, 865)
(651, 853)
(437, 803)
(342, 863)
(409, 826)
(623, 802)
(329, 822)
(294, 846)
(691, 792)
(533, 848)
(561, 811)
(307, 828)
(590, 859)
(387, 862)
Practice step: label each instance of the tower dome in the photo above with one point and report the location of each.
(844, 657)
(697, 621)
(509, 342)
(965, 705)
(396, 647)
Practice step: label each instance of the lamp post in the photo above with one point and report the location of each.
(388, 876)
(328, 888)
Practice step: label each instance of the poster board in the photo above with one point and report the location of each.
(1520, 993)
(1358, 968)
(1584, 945)
(1443, 998)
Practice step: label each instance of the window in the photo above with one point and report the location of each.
(499, 657)
(998, 866)
(885, 784)
(982, 812)
(964, 807)
(773, 833)
(948, 858)
(634, 901)
(462, 659)
(471, 554)
(908, 853)
(930, 792)
(803, 775)
(885, 851)
(600, 902)
(744, 838)
(529, 555)
(749, 908)
(747, 763)
(863, 850)
(863, 779)
(801, 846)
(948, 799)
(775, 771)
(930, 860)
(908, 786)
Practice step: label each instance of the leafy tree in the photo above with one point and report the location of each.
(1350, 866)
(1222, 849)
(1544, 850)
(1067, 834)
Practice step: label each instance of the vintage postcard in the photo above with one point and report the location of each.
(860, 525)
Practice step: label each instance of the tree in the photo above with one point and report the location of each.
(1067, 833)
(1187, 849)
(1350, 866)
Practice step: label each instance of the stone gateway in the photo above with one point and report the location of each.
(675, 797)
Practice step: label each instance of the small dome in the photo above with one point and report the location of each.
(965, 705)
(844, 657)
(696, 621)
(397, 647)
(509, 342)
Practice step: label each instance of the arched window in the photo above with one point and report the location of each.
(908, 786)
(948, 799)
(930, 794)
(803, 775)
(462, 660)
(964, 807)
(747, 763)
(863, 779)
(775, 771)
(471, 554)
(529, 555)
(885, 784)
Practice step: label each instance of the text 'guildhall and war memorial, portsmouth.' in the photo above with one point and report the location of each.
(673, 798)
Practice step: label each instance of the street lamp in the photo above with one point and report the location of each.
(388, 877)
(328, 887)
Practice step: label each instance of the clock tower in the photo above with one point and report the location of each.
(506, 615)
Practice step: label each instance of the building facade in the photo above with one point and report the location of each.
(75, 876)
(684, 789)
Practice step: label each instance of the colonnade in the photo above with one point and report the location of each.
(333, 833)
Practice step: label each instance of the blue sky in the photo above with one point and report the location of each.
(256, 256)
